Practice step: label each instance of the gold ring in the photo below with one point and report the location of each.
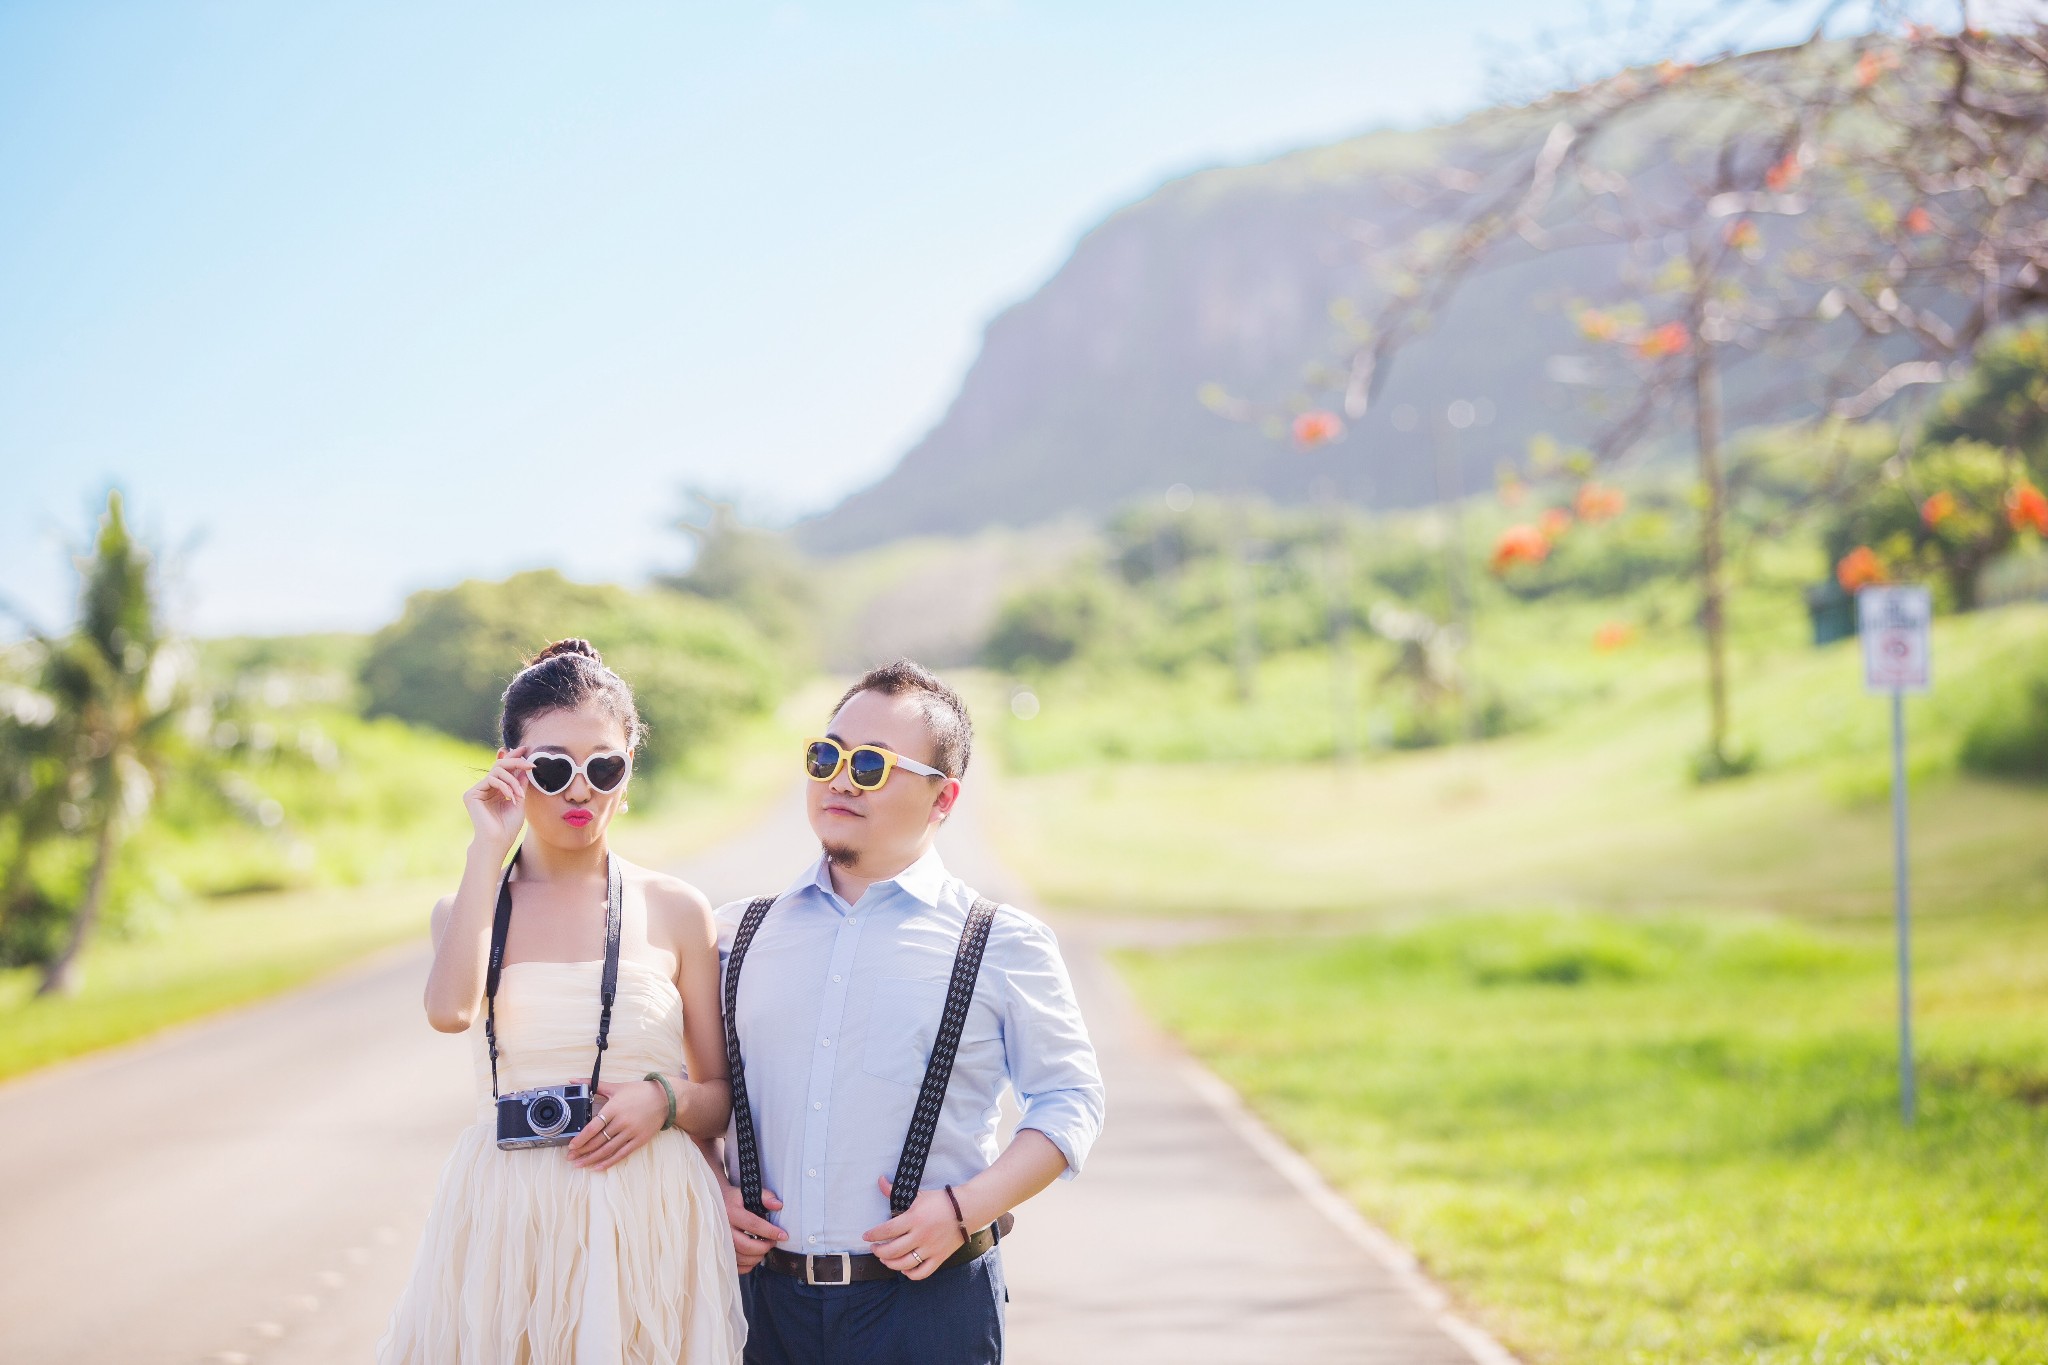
(919, 1254)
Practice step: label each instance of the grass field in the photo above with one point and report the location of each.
(1596, 808)
(1615, 1052)
(211, 953)
(1667, 1138)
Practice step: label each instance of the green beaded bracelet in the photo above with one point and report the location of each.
(669, 1091)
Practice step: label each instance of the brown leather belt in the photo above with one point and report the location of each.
(843, 1267)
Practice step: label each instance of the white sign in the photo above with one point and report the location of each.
(1893, 623)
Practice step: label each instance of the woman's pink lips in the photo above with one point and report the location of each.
(578, 817)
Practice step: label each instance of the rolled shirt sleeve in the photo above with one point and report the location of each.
(1046, 1046)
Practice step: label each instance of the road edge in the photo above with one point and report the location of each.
(1398, 1261)
(113, 1054)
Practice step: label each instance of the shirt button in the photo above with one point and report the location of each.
(811, 1239)
(837, 977)
(812, 1174)
(824, 1042)
(817, 1104)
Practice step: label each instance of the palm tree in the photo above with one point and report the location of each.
(110, 699)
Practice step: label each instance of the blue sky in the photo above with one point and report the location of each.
(357, 299)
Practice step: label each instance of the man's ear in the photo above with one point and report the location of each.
(949, 794)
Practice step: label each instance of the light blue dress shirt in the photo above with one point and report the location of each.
(838, 1007)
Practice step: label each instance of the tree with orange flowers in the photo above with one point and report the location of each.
(1943, 514)
(1519, 545)
(1840, 217)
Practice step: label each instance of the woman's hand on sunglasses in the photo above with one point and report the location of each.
(497, 803)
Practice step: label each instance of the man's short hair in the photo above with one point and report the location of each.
(945, 715)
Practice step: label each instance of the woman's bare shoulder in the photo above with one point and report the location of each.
(679, 906)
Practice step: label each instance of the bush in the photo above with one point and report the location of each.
(695, 666)
(1051, 623)
(2010, 737)
(1886, 513)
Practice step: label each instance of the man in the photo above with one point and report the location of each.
(836, 993)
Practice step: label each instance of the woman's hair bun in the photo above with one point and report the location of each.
(563, 677)
(575, 644)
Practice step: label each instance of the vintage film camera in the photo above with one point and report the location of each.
(549, 1116)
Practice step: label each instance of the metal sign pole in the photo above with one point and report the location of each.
(1895, 623)
(1904, 903)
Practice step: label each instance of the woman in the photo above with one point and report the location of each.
(612, 1247)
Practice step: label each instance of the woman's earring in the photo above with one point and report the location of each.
(625, 806)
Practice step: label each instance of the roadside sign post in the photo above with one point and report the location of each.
(1894, 625)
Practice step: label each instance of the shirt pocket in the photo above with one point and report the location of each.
(901, 1026)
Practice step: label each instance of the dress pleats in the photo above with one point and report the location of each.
(527, 1260)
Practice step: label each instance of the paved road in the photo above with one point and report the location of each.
(251, 1189)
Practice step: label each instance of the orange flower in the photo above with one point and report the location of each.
(1871, 65)
(1513, 491)
(1785, 173)
(1597, 503)
(1519, 545)
(2027, 506)
(1742, 234)
(1554, 522)
(1938, 508)
(1595, 325)
(1919, 221)
(1860, 568)
(1668, 340)
(1613, 636)
(1312, 429)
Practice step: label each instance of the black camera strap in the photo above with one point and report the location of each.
(501, 923)
(938, 1072)
(613, 913)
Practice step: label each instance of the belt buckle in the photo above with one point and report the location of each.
(845, 1259)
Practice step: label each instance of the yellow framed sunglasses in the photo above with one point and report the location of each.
(867, 765)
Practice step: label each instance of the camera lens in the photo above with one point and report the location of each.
(546, 1115)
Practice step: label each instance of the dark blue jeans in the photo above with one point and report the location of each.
(954, 1317)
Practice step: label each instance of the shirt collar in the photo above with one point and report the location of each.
(923, 881)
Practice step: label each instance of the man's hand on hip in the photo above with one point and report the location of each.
(920, 1238)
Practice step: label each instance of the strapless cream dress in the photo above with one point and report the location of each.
(527, 1260)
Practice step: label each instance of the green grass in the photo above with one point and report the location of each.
(1613, 1051)
(1669, 1137)
(225, 952)
(1593, 808)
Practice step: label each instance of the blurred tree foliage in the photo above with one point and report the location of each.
(757, 573)
(1938, 514)
(88, 727)
(1941, 507)
(2003, 401)
(695, 666)
(1157, 592)
(1155, 597)
(2010, 738)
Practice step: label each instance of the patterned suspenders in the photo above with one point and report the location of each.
(938, 1072)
